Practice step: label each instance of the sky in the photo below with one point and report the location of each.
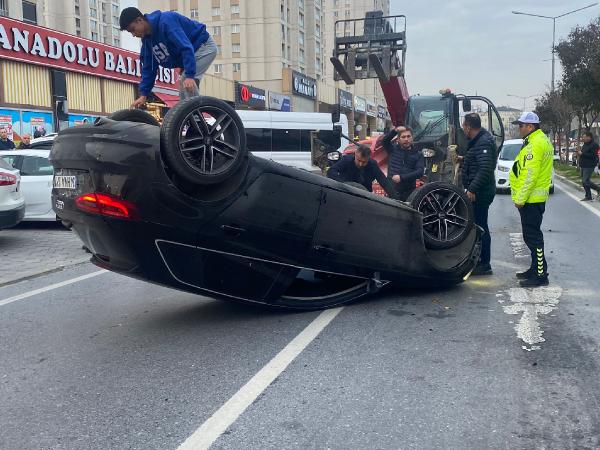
(478, 46)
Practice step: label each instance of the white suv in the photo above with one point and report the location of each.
(12, 202)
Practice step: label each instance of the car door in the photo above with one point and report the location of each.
(490, 118)
(36, 183)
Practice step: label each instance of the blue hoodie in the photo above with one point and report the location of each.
(173, 42)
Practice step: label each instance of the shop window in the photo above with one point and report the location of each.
(29, 13)
(258, 139)
(286, 140)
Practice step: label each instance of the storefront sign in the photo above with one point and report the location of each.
(360, 104)
(371, 109)
(250, 96)
(345, 99)
(29, 43)
(279, 102)
(303, 85)
(381, 110)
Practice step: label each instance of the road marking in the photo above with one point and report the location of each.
(532, 302)
(227, 414)
(518, 245)
(584, 204)
(51, 287)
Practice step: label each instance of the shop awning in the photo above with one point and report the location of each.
(169, 99)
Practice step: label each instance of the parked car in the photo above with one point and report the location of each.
(36, 177)
(186, 205)
(12, 203)
(506, 159)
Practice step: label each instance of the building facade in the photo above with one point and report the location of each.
(508, 115)
(97, 20)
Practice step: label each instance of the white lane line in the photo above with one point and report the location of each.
(578, 200)
(51, 287)
(227, 414)
(517, 243)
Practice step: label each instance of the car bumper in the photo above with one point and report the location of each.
(12, 217)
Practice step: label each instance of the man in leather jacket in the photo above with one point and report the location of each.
(406, 164)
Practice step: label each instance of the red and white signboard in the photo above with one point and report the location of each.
(20, 41)
(6, 122)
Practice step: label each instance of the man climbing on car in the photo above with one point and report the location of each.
(170, 40)
(406, 164)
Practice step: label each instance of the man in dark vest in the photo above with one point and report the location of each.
(406, 164)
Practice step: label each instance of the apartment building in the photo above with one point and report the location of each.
(97, 20)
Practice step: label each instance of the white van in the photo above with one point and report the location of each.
(284, 137)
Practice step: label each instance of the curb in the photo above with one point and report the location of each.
(567, 181)
(44, 272)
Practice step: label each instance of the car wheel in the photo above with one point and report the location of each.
(133, 115)
(203, 140)
(447, 214)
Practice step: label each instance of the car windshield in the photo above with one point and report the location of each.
(510, 151)
(4, 164)
(428, 117)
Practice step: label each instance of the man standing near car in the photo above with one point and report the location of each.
(171, 40)
(25, 141)
(588, 160)
(5, 142)
(406, 164)
(360, 168)
(478, 179)
(530, 180)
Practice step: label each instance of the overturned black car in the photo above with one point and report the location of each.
(186, 206)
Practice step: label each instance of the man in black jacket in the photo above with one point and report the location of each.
(478, 180)
(360, 168)
(406, 164)
(588, 160)
(5, 142)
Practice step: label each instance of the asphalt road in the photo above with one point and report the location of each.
(110, 362)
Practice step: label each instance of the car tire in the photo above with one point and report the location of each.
(203, 140)
(447, 214)
(133, 115)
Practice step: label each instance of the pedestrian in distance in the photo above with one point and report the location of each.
(406, 164)
(530, 180)
(360, 168)
(477, 176)
(25, 141)
(588, 161)
(5, 142)
(170, 40)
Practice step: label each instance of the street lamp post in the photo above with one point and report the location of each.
(522, 98)
(554, 30)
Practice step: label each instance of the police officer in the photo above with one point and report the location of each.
(530, 180)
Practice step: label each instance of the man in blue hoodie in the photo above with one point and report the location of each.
(170, 40)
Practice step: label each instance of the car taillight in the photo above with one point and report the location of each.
(107, 205)
(7, 179)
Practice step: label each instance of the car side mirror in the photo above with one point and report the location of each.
(335, 114)
(466, 104)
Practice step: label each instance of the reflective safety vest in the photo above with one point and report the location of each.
(531, 174)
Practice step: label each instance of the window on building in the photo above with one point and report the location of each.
(301, 19)
(235, 27)
(116, 42)
(301, 38)
(283, 49)
(95, 36)
(235, 9)
(93, 25)
(77, 22)
(301, 4)
(219, 50)
(194, 14)
(29, 13)
(78, 33)
(93, 3)
(347, 13)
(318, 48)
(335, 14)
(115, 10)
(282, 12)
(216, 31)
(235, 48)
(115, 21)
(4, 8)
(77, 10)
(301, 56)
(317, 13)
(237, 67)
(282, 32)
(216, 12)
(93, 12)
(318, 29)
(218, 68)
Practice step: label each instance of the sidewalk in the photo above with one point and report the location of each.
(32, 249)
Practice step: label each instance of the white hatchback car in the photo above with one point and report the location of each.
(12, 202)
(36, 177)
(506, 159)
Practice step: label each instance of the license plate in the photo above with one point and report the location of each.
(64, 182)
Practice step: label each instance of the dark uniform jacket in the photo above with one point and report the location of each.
(478, 167)
(409, 164)
(589, 155)
(345, 170)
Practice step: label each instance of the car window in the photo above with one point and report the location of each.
(36, 166)
(10, 160)
(42, 145)
(5, 164)
(510, 151)
(258, 139)
(286, 140)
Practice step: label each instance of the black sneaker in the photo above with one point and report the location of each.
(586, 199)
(482, 269)
(535, 282)
(525, 274)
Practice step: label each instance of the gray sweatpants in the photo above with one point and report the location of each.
(205, 55)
